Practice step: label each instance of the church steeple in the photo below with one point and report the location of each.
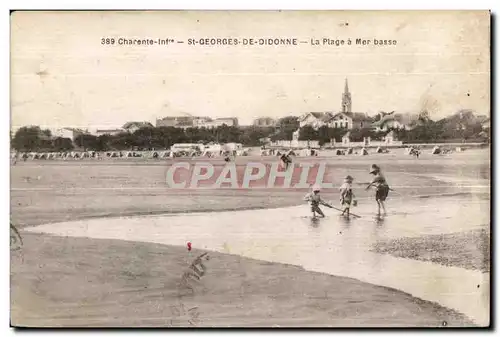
(346, 99)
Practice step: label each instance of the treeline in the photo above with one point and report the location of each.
(35, 139)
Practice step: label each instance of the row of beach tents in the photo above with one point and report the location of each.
(124, 154)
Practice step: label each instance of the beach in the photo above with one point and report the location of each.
(116, 223)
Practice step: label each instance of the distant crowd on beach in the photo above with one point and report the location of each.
(221, 153)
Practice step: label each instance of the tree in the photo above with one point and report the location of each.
(62, 144)
(123, 141)
(86, 142)
(308, 133)
(144, 137)
(251, 136)
(286, 127)
(102, 143)
(28, 138)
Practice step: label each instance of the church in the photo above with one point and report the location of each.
(345, 118)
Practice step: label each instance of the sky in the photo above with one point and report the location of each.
(61, 74)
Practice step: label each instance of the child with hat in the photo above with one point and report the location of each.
(382, 188)
(346, 195)
(315, 200)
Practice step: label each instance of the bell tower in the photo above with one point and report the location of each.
(346, 99)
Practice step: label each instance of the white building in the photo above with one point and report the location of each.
(134, 126)
(70, 133)
(395, 121)
(315, 119)
(264, 121)
(350, 120)
(201, 121)
(219, 122)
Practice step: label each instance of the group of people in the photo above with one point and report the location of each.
(347, 198)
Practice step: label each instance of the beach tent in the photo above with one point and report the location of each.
(232, 146)
(409, 150)
(242, 152)
(305, 152)
(363, 152)
(339, 152)
(166, 154)
(350, 150)
(436, 150)
(379, 150)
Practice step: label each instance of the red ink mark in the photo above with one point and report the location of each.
(189, 246)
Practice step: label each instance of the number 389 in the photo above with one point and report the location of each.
(107, 40)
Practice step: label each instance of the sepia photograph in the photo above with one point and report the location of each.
(268, 169)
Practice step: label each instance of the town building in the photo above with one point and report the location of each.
(486, 124)
(344, 119)
(315, 119)
(201, 121)
(68, 132)
(231, 121)
(346, 106)
(350, 120)
(395, 121)
(109, 132)
(264, 122)
(179, 121)
(134, 126)
(195, 121)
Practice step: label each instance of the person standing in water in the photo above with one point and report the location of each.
(382, 188)
(347, 196)
(315, 200)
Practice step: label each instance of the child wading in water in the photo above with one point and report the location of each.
(347, 196)
(382, 188)
(315, 200)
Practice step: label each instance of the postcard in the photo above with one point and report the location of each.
(250, 169)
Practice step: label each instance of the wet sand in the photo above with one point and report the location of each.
(469, 250)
